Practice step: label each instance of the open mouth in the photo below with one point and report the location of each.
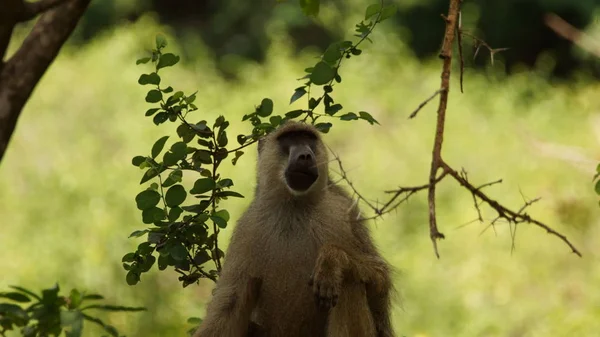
(301, 180)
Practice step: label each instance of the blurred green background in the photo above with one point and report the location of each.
(67, 187)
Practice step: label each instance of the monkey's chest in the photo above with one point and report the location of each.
(286, 304)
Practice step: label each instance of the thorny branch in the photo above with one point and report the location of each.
(437, 163)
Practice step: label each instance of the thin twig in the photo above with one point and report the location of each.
(414, 113)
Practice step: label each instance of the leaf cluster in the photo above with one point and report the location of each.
(50, 314)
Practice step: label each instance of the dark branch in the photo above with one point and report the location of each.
(33, 9)
(504, 213)
(21, 73)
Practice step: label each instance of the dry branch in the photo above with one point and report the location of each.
(505, 213)
(512, 217)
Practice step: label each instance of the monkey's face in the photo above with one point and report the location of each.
(301, 170)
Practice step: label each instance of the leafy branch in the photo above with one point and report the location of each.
(49, 313)
(186, 237)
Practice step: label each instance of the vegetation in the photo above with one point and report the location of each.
(51, 194)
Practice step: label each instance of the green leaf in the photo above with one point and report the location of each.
(372, 10)
(366, 116)
(138, 160)
(92, 297)
(143, 60)
(161, 41)
(356, 51)
(75, 298)
(27, 291)
(132, 278)
(178, 252)
(152, 215)
(158, 146)
(194, 320)
(151, 173)
(222, 139)
(179, 149)
(332, 110)
(265, 108)
(275, 120)
(294, 113)
(153, 96)
(15, 296)
(129, 257)
(225, 194)
(220, 222)
(332, 54)
(322, 74)
(310, 7)
(223, 214)
(137, 234)
(160, 118)
(147, 199)
(151, 112)
(175, 213)
(174, 177)
(224, 183)
(597, 187)
(238, 154)
(323, 127)
(185, 132)
(151, 78)
(350, 116)
(175, 196)
(167, 60)
(298, 93)
(203, 185)
(167, 89)
(387, 12)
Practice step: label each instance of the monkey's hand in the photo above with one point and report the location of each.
(328, 275)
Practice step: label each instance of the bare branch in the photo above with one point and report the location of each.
(479, 43)
(21, 73)
(436, 160)
(505, 213)
(414, 113)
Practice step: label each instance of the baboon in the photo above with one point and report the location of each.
(301, 262)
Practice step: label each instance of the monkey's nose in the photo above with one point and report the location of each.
(305, 157)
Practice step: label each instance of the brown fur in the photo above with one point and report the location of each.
(288, 248)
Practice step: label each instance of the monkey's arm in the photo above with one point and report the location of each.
(375, 272)
(235, 295)
(228, 314)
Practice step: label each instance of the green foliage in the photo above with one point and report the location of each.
(185, 235)
(52, 314)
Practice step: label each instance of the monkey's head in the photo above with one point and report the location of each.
(292, 158)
